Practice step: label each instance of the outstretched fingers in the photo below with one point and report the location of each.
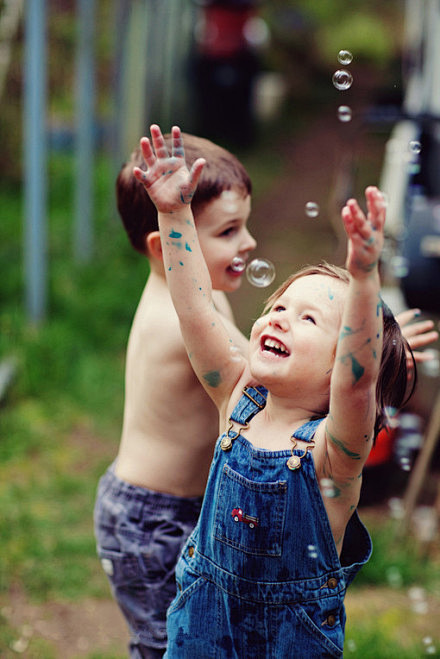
(376, 207)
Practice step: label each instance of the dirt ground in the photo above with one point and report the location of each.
(318, 167)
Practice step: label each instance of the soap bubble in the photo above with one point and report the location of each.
(350, 645)
(394, 577)
(397, 510)
(344, 113)
(312, 551)
(429, 645)
(425, 524)
(405, 463)
(431, 368)
(260, 272)
(328, 488)
(415, 146)
(342, 79)
(392, 418)
(312, 209)
(418, 600)
(399, 266)
(345, 57)
(235, 353)
(237, 264)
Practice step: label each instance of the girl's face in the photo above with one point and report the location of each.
(223, 235)
(293, 346)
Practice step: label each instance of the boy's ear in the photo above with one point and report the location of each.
(154, 246)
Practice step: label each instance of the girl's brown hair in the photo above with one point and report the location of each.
(396, 382)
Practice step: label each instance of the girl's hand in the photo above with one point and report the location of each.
(365, 234)
(168, 181)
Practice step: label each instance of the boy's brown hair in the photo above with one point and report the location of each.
(222, 171)
(395, 382)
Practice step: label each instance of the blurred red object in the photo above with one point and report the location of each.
(222, 33)
(382, 451)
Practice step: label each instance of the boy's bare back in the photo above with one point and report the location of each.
(170, 423)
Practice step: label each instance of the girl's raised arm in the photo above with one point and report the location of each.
(351, 419)
(171, 187)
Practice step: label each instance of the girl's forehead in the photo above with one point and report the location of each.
(317, 286)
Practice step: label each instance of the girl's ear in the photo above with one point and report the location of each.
(154, 246)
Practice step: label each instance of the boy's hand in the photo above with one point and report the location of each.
(168, 181)
(365, 234)
(418, 334)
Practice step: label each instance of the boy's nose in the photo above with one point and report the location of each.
(248, 243)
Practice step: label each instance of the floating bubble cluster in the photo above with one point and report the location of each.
(342, 79)
(312, 209)
(345, 57)
(260, 273)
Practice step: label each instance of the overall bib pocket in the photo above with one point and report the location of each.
(249, 515)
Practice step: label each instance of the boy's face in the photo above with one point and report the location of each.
(293, 346)
(223, 235)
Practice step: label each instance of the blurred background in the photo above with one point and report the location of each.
(318, 99)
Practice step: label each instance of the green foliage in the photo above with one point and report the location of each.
(396, 561)
(62, 416)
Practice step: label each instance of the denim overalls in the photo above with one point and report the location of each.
(260, 576)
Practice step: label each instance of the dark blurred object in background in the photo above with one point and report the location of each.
(224, 66)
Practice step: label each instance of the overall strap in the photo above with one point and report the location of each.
(251, 402)
(307, 430)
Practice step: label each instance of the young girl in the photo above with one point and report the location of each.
(265, 571)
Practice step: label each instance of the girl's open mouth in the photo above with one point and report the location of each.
(269, 344)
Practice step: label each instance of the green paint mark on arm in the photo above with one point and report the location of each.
(212, 378)
(343, 448)
(356, 369)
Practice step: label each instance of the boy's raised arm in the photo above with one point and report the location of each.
(171, 187)
(351, 419)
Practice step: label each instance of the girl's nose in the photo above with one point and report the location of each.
(278, 321)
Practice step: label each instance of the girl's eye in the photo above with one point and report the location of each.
(309, 318)
(279, 307)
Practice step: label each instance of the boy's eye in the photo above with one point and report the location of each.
(279, 307)
(229, 232)
(309, 318)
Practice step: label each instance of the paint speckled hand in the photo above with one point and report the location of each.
(365, 233)
(168, 181)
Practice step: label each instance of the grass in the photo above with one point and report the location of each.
(61, 419)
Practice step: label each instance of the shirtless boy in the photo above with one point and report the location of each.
(150, 497)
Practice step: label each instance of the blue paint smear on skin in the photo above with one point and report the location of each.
(175, 234)
(188, 248)
(212, 378)
(331, 295)
(356, 369)
(180, 263)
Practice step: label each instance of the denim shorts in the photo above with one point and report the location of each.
(140, 534)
